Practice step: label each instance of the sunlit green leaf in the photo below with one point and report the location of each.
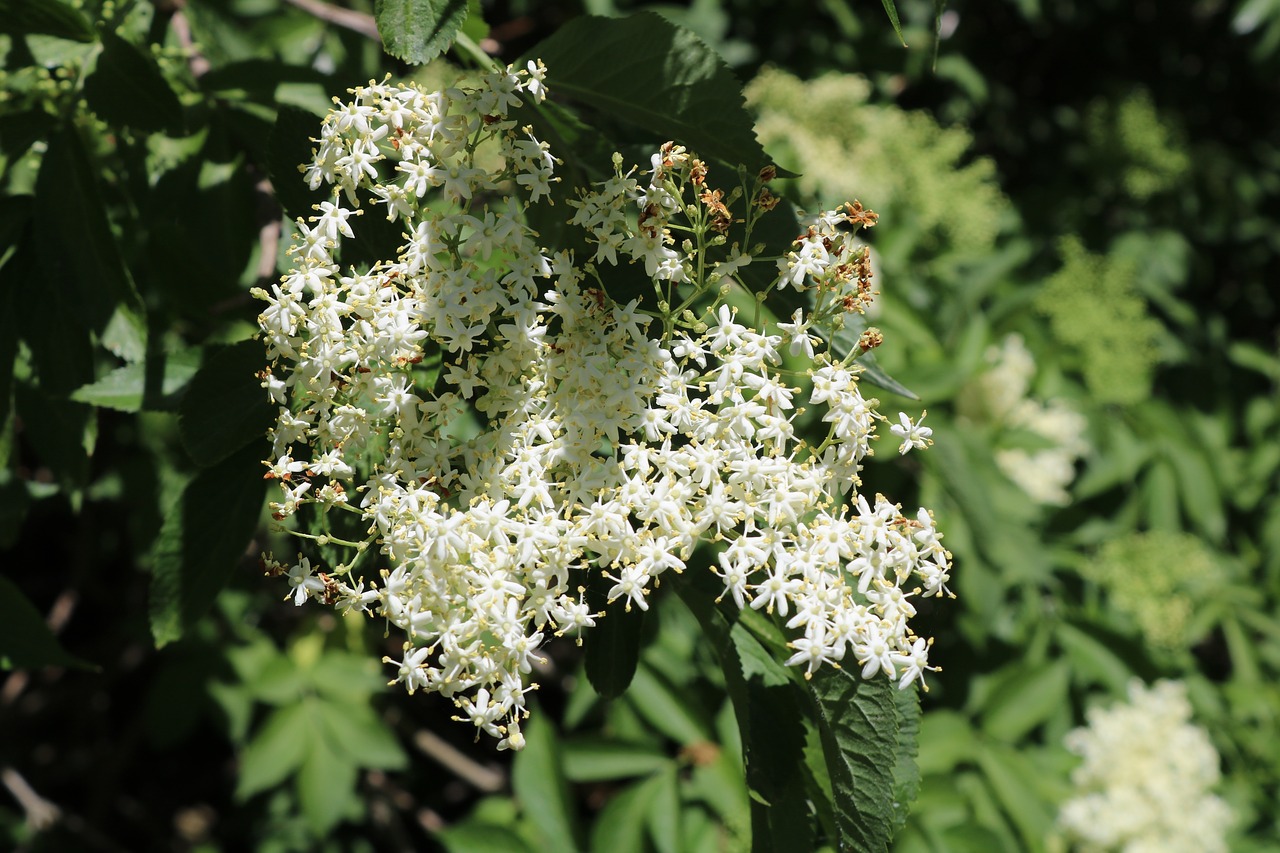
(125, 388)
(418, 31)
(858, 721)
(277, 750)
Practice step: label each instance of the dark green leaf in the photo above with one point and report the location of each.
(537, 778)
(258, 79)
(225, 407)
(25, 640)
(906, 772)
(645, 71)
(289, 146)
(1094, 655)
(277, 750)
(59, 431)
(418, 31)
(203, 539)
(78, 262)
(47, 17)
(124, 389)
(770, 715)
(127, 89)
(613, 645)
(858, 721)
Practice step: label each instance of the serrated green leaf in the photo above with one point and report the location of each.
(645, 71)
(846, 340)
(225, 407)
(418, 31)
(327, 787)
(277, 750)
(25, 639)
(127, 89)
(613, 645)
(858, 721)
(125, 336)
(125, 388)
(47, 17)
(601, 759)
(1026, 700)
(202, 540)
(906, 770)
(537, 779)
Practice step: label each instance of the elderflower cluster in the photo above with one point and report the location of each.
(1144, 784)
(1003, 394)
(493, 426)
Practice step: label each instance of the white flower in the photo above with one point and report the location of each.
(1145, 778)
(912, 434)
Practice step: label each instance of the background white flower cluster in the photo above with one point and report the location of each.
(500, 426)
(1145, 782)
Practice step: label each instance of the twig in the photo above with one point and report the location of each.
(480, 777)
(40, 813)
(357, 22)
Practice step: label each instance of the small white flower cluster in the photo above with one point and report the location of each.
(500, 426)
(1144, 785)
(1043, 473)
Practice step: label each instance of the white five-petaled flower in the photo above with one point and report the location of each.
(912, 434)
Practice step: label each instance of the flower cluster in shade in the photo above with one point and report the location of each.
(1160, 581)
(1096, 309)
(501, 428)
(1002, 396)
(1146, 778)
